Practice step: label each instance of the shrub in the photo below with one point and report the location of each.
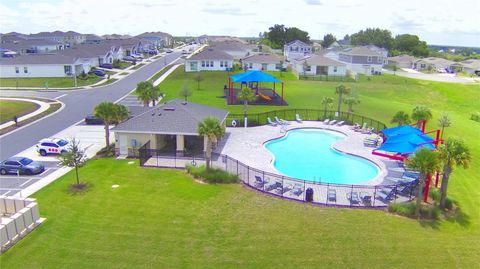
(434, 194)
(213, 175)
(449, 203)
(475, 116)
(404, 209)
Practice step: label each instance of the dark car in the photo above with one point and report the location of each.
(99, 73)
(107, 66)
(21, 165)
(129, 58)
(92, 120)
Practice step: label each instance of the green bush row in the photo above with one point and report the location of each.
(408, 210)
(213, 175)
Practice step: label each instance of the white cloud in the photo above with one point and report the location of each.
(436, 21)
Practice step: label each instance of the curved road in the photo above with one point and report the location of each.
(78, 103)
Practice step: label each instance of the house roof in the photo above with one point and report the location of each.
(38, 59)
(262, 58)
(361, 51)
(319, 60)
(157, 34)
(436, 61)
(403, 58)
(471, 63)
(86, 50)
(229, 46)
(173, 117)
(211, 54)
(298, 42)
(93, 37)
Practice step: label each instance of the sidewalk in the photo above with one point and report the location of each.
(43, 107)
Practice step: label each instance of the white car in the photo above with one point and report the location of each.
(137, 56)
(52, 146)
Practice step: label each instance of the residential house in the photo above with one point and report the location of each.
(69, 38)
(170, 128)
(402, 61)
(158, 39)
(26, 46)
(314, 65)
(129, 46)
(432, 63)
(238, 50)
(92, 55)
(93, 39)
(209, 59)
(40, 65)
(262, 62)
(382, 51)
(471, 66)
(362, 60)
(296, 49)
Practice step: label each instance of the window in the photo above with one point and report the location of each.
(278, 66)
(250, 65)
(17, 70)
(335, 69)
(12, 163)
(203, 63)
(264, 66)
(369, 59)
(25, 70)
(379, 60)
(211, 63)
(67, 69)
(308, 68)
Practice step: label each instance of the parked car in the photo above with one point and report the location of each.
(107, 66)
(137, 56)
(169, 51)
(52, 146)
(92, 120)
(129, 58)
(21, 165)
(99, 73)
(184, 52)
(153, 52)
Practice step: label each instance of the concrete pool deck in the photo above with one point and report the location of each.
(247, 146)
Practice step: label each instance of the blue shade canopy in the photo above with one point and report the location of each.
(404, 147)
(254, 76)
(412, 138)
(401, 130)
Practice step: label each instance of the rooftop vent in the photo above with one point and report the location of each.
(169, 109)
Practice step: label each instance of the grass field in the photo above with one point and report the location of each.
(65, 82)
(163, 219)
(10, 108)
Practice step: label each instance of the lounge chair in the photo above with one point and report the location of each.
(355, 126)
(386, 194)
(270, 122)
(340, 123)
(332, 195)
(280, 121)
(326, 121)
(273, 186)
(366, 198)
(286, 188)
(259, 182)
(353, 198)
(297, 189)
(408, 188)
(332, 122)
(297, 118)
(364, 127)
(368, 131)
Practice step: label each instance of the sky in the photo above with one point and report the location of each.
(440, 22)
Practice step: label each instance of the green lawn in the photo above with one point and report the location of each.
(161, 218)
(9, 108)
(65, 82)
(123, 65)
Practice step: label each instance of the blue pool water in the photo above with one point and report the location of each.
(307, 154)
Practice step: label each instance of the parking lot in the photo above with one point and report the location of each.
(91, 139)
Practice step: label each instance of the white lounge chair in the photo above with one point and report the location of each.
(280, 121)
(270, 122)
(326, 121)
(340, 123)
(332, 122)
(297, 118)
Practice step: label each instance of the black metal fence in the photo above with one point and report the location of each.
(325, 78)
(306, 115)
(340, 195)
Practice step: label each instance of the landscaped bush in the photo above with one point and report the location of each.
(408, 210)
(213, 175)
(434, 194)
(475, 116)
(106, 152)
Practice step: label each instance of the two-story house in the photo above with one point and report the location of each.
(362, 60)
(262, 62)
(296, 49)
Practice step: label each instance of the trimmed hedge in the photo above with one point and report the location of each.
(213, 175)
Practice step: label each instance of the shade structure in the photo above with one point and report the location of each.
(401, 130)
(254, 76)
(404, 147)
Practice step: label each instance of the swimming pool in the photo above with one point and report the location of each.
(308, 154)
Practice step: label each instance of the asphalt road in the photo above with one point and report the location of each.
(78, 103)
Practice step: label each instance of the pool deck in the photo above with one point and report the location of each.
(247, 146)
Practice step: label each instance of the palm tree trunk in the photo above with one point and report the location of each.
(145, 103)
(444, 186)
(208, 154)
(325, 111)
(339, 102)
(419, 195)
(441, 136)
(245, 104)
(107, 135)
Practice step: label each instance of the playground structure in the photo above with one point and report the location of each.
(254, 80)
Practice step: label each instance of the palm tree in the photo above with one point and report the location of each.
(401, 118)
(212, 129)
(421, 113)
(246, 95)
(327, 103)
(144, 92)
(185, 92)
(350, 101)
(426, 162)
(444, 121)
(155, 94)
(341, 90)
(110, 113)
(453, 153)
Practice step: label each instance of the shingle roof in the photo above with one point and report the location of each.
(211, 54)
(86, 50)
(402, 58)
(319, 60)
(297, 41)
(363, 51)
(173, 117)
(38, 59)
(436, 61)
(471, 63)
(229, 46)
(262, 58)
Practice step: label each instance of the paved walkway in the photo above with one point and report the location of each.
(451, 78)
(43, 107)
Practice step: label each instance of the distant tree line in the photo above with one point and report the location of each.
(279, 35)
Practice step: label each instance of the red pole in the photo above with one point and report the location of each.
(282, 93)
(436, 179)
(229, 90)
(438, 138)
(427, 188)
(423, 125)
